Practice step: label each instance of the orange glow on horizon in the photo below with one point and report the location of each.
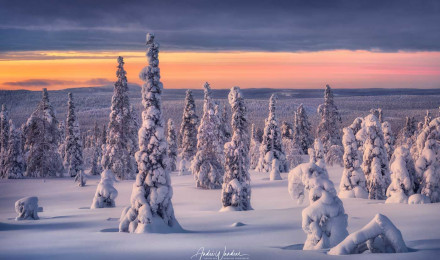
(341, 69)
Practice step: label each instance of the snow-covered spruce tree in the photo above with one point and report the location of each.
(402, 174)
(292, 152)
(271, 146)
(254, 150)
(62, 145)
(122, 131)
(328, 129)
(105, 194)
(172, 145)
(74, 154)
(388, 138)
(375, 160)
(207, 163)
(353, 183)
(236, 188)
(316, 154)
(428, 161)
(151, 209)
(14, 158)
(324, 220)
(427, 119)
(303, 130)
(405, 135)
(42, 139)
(97, 151)
(4, 138)
(188, 133)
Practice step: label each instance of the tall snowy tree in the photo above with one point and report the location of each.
(316, 154)
(388, 138)
(236, 188)
(4, 137)
(271, 146)
(329, 127)
(303, 130)
(254, 150)
(375, 159)
(62, 139)
(122, 131)
(225, 132)
(172, 145)
(151, 209)
(13, 166)
(42, 139)
(188, 133)
(207, 163)
(428, 161)
(353, 183)
(74, 153)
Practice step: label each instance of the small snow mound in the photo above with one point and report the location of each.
(418, 199)
(228, 209)
(27, 208)
(238, 224)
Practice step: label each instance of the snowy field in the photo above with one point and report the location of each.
(68, 229)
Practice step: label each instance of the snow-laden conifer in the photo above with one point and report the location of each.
(316, 154)
(42, 139)
(172, 145)
(427, 119)
(271, 146)
(375, 159)
(207, 163)
(4, 138)
(388, 138)
(406, 133)
(225, 127)
(302, 130)
(122, 131)
(353, 183)
(151, 209)
(236, 188)
(188, 128)
(254, 150)
(328, 130)
(402, 174)
(286, 130)
(14, 166)
(73, 160)
(428, 161)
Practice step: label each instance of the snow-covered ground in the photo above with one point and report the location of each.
(68, 229)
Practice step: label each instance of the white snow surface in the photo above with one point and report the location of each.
(68, 229)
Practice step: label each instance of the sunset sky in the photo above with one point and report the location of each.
(276, 44)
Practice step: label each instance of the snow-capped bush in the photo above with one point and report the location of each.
(378, 236)
(151, 209)
(271, 146)
(73, 159)
(27, 208)
(188, 129)
(418, 199)
(236, 188)
(353, 183)
(375, 159)
(184, 168)
(275, 171)
(122, 138)
(207, 163)
(105, 194)
(42, 139)
(324, 220)
(328, 130)
(402, 172)
(172, 145)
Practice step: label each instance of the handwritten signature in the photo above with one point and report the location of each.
(219, 255)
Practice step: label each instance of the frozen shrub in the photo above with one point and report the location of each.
(27, 208)
(275, 171)
(378, 236)
(317, 154)
(418, 199)
(402, 170)
(105, 192)
(334, 155)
